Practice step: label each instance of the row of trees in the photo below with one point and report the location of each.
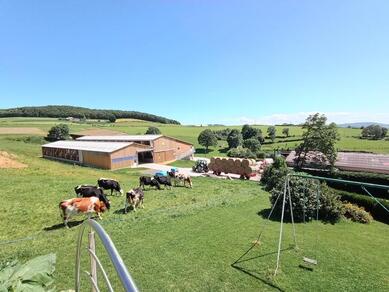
(244, 143)
(60, 111)
(375, 132)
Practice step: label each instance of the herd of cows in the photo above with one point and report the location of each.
(91, 199)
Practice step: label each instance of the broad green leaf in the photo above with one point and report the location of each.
(38, 270)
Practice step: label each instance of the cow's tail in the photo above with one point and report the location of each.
(190, 182)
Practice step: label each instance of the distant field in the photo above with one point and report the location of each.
(349, 137)
(21, 130)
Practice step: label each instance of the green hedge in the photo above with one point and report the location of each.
(373, 178)
(369, 204)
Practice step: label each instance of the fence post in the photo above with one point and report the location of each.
(92, 247)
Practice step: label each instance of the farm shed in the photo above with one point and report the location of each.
(106, 155)
(162, 148)
(353, 161)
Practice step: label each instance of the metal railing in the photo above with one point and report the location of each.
(124, 276)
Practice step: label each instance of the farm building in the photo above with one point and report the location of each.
(106, 155)
(162, 148)
(352, 161)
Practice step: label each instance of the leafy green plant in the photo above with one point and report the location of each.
(240, 152)
(234, 139)
(153, 131)
(58, 132)
(304, 197)
(356, 214)
(274, 173)
(331, 205)
(34, 275)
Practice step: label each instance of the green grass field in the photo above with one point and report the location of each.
(349, 137)
(184, 239)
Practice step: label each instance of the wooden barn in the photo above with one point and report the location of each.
(106, 155)
(162, 148)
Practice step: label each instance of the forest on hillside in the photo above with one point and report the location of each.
(64, 111)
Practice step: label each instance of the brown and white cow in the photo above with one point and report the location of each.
(78, 206)
(134, 198)
(180, 177)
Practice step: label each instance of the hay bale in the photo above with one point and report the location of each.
(245, 163)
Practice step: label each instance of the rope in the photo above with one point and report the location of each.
(363, 187)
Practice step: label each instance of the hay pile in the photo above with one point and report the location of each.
(243, 167)
(8, 160)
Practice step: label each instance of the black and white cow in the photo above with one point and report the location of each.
(88, 191)
(164, 180)
(110, 184)
(134, 198)
(148, 181)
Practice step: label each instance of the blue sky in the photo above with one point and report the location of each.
(200, 61)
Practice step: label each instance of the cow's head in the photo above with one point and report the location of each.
(132, 196)
(106, 202)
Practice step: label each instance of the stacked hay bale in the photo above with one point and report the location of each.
(243, 167)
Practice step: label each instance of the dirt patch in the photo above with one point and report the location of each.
(18, 130)
(8, 160)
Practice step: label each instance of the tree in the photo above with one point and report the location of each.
(318, 137)
(207, 138)
(234, 139)
(112, 118)
(251, 132)
(271, 131)
(285, 131)
(252, 144)
(58, 132)
(374, 132)
(153, 131)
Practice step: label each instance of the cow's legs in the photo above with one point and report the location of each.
(65, 220)
(125, 206)
(99, 215)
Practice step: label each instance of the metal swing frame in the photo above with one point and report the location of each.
(318, 178)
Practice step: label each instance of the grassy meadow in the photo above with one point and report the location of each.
(184, 239)
(349, 138)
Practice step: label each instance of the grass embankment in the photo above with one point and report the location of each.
(185, 239)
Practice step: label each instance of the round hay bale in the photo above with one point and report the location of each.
(237, 163)
(231, 165)
(245, 162)
(212, 159)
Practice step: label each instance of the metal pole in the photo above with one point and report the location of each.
(93, 267)
(291, 214)
(282, 221)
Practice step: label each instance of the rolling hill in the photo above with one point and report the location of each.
(64, 111)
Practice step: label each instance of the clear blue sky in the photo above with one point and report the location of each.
(199, 61)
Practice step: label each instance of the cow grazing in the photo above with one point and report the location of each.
(110, 184)
(181, 177)
(88, 191)
(135, 198)
(164, 180)
(148, 181)
(82, 206)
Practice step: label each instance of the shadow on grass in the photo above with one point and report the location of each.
(258, 277)
(253, 273)
(71, 224)
(264, 213)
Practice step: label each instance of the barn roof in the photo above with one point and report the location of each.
(106, 147)
(355, 161)
(120, 138)
(97, 132)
